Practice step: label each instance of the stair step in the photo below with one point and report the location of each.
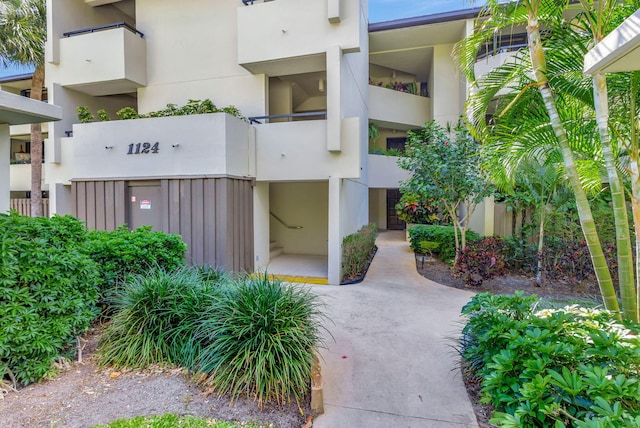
(273, 244)
(275, 252)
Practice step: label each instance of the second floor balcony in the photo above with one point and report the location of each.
(104, 60)
(398, 110)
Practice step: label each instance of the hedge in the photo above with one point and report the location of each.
(443, 235)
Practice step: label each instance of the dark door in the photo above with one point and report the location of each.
(145, 207)
(393, 222)
(396, 143)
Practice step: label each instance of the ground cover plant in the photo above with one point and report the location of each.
(552, 367)
(247, 336)
(48, 291)
(175, 421)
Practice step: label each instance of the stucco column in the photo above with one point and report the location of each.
(261, 233)
(5, 157)
(334, 258)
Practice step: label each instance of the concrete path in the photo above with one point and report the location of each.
(392, 363)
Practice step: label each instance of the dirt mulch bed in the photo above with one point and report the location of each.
(84, 395)
(442, 273)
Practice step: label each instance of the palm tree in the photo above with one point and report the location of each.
(594, 19)
(530, 76)
(23, 31)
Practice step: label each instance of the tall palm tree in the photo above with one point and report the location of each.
(594, 19)
(535, 71)
(23, 31)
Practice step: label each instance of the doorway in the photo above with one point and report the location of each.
(145, 205)
(393, 222)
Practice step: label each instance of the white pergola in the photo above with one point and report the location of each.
(619, 51)
(17, 110)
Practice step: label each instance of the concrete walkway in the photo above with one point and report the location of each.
(392, 363)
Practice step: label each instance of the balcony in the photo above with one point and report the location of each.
(104, 60)
(286, 37)
(488, 63)
(20, 178)
(206, 144)
(398, 110)
(384, 172)
(292, 151)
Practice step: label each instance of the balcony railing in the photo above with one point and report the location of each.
(310, 115)
(121, 24)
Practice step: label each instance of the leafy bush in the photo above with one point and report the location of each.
(259, 340)
(519, 255)
(155, 317)
(357, 250)
(48, 292)
(553, 367)
(444, 235)
(412, 209)
(481, 260)
(121, 252)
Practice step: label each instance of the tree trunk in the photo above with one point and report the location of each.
(623, 240)
(540, 246)
(37, 82)
(635, 176)
(584, 210)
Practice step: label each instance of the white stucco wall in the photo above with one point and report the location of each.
(211, 144)
(448, 89)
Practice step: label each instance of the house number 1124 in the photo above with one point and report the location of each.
(143, 148)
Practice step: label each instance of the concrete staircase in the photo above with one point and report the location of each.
(275, 249)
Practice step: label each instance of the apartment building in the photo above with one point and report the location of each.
(296, 177)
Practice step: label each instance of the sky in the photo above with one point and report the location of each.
(379, 10)
(386, 10)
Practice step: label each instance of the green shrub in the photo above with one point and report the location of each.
(48, 292)
(259, 340)
(357, 249)
(121, 252)
(444, 235)
(155, 317)
(553, 367)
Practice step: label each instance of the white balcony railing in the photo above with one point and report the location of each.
(103, 60)
(384, 172)
(205, 144)
(398, 110)
(20, 178)
(298, 151)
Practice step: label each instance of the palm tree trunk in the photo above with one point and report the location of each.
(623, 240)
(37, 82)
(635, 176)
(540, 245)
(584, 210)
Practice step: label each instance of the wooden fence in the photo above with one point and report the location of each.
(23, 206)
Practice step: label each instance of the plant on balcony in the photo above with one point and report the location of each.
(192, 107)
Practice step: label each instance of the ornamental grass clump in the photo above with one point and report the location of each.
(155, 317)
(259, 340)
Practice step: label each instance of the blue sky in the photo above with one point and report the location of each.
(386, 10)
(379, 10)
